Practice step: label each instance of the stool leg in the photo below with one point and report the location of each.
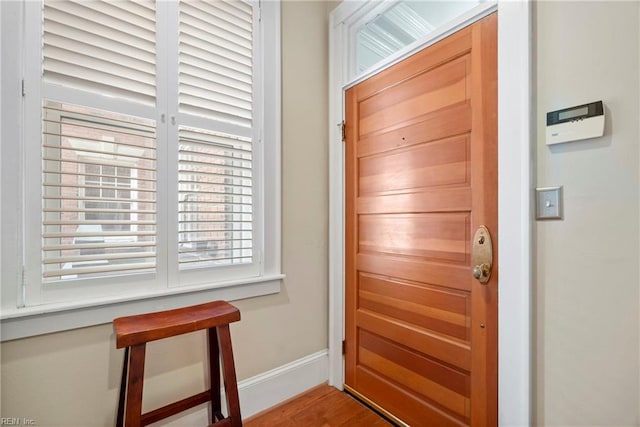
(134, 386)
(229, 373)
(123, 389)
(214, 375)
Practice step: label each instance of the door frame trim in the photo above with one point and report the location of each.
(515, 169)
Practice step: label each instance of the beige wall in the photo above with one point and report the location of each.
(72, 378)
(586, 267)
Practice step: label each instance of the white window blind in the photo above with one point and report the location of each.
(216, 199)
(99, 167)
(215, 83)
(216, 60)
(102, 46)
(147, 153)
(99, 193)
(145, 161)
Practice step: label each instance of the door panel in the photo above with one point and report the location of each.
(421, 177)
(427, 164)
(433, 236)
(454, 120)
(428, 92)
(445, 386)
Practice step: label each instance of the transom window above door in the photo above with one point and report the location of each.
(401, 25)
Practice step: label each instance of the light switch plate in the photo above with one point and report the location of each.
(549, 203)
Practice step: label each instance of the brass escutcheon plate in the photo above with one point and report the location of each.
(482, 255)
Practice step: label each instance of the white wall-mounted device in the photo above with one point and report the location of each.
(575, 123)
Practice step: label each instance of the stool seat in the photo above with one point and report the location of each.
(133, 333)
(133, 330)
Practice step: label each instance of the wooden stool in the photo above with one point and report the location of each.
(133, 332)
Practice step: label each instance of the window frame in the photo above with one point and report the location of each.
(69, 308)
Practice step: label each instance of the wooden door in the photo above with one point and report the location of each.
(421, 177)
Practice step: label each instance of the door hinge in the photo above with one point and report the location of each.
(22, 89)
(344, 347)
(343, 131)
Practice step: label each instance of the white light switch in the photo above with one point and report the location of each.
(549, 203)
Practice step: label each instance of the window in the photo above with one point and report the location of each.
(99, 193)
(400, 25)
(151, 168)
(215, 199)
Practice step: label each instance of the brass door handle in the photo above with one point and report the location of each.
(482, 255)
(481, 271)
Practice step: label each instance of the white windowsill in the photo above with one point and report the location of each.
(44, 319)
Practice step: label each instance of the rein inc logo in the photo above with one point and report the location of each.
(17, 421)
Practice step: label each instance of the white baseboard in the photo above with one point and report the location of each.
(265, 390)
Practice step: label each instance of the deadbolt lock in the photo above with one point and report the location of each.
(482, 255)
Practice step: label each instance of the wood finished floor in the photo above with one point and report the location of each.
(322, 406)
